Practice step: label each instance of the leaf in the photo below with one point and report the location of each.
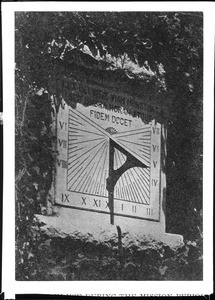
(162, 270)
(36, 169)
(47, 243)
(30, 255)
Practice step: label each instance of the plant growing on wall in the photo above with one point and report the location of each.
(168, 46)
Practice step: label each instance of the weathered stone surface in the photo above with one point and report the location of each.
(110, 167)
(106, 235)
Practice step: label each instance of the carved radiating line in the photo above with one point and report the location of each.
(145, 152)
(133, 143)
(78, 177)
(87, 183)
(98, 162)
(121, 165)
(72, 167)
(137, 154)
(77, 135)
(76, 169)
(141, 185)
(70, 114)
(121, 176)
(135, 189)
(93, 185)
(101, 189)
(91, 158)
(147, 128)
(145, 139)
(147, 147)
(143, 171)
(104, 183)
(75, 164)
(121, 158)
(74, 125)
(90, 183)
(129, 198)
(92, 170)
(142, 182)
(146, 156)
(76, 173)
(94, 180)
(120, 190)
(104, 164)
(135, 193)
(127, 192)
(92, 123)
(73, 147)
(144, 179)
(116, 189)
(121, 135)
(90, 149)
(72, 119)
(70, 152)
(75, 122)
(123, 192)
(115, 160)
(131, 186)
(73, 131)
(142, 197)
(83, 180)
(87, 141)
(73, 155)
(96, 187)
(146, 190)
(83, 130)
(147, 195)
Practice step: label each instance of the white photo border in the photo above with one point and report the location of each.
(147, 288)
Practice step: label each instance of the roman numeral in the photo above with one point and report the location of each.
(155, 148)
(62, 143)
(97, 203)
(155, 163)
(63, 125)
(155, 130)
(84, 201)
(65, 198)
(149, 211)
(154, 182)
(62, 163)
(134, 209)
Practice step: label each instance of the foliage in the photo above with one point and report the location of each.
(168, 44)
(52, 259)
(34, 166)
(173, 39)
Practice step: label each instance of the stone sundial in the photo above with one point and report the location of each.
(108, 164)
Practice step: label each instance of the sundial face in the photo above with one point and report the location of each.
(84, 136)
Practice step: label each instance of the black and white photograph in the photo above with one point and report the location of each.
(108, 135)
